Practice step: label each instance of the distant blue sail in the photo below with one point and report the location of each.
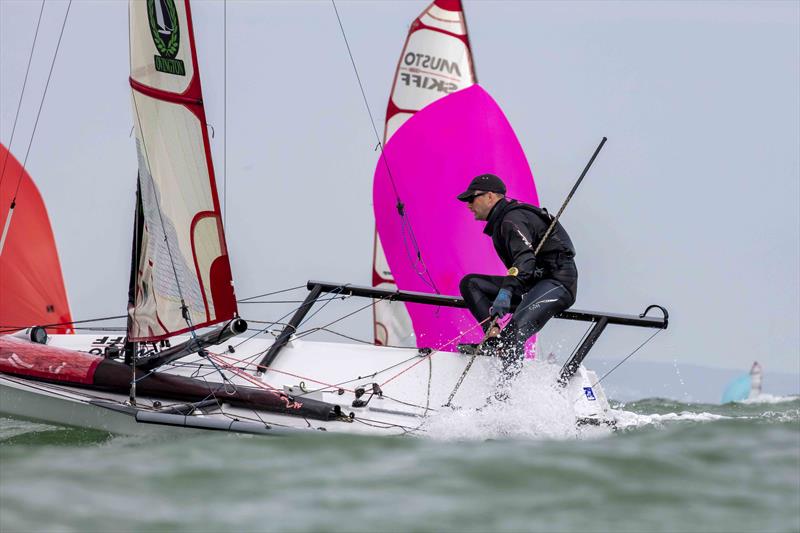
(737, 390)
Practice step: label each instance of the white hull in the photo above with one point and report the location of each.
(424, 382)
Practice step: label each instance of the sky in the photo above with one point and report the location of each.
(693, 204)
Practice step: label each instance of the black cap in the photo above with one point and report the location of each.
(483, 183)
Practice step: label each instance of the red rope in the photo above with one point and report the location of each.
(238, 372)
(451, 341)
(247, 363)
(250, 378)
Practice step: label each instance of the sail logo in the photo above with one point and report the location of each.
(589, 394)
(425, 71)
(163, 18)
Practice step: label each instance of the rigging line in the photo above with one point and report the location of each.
(424, 273)
(242, 361)
(585, 334)
(440, 348)
(290, 301)
(362, 341)
(400, 206)
(243, 300)
(264, 330)
(225, 379)
(339, 384)
(17, 328)
(302, 334)
(628, 357)
(435, 351)
(338, 290)
(41, 103)
(361, 86)
(21, 95)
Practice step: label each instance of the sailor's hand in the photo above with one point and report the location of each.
(502, 303)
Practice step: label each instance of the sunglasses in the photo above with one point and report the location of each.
(476, 195)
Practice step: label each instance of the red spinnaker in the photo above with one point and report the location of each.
(31, 284)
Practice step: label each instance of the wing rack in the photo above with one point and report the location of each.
(600, 320)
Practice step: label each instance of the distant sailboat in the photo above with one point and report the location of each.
(745, 387)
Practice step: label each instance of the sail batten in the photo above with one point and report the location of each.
(182, 275)
(436, 60)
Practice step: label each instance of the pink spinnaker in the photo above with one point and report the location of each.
(425, 165)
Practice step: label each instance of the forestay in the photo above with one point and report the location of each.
(181, 277)
(436, 61)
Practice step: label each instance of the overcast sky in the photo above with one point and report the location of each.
(694, 203)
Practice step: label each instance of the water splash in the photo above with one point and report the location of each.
(536, 409)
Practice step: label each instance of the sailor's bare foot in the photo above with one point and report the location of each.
(494, 331)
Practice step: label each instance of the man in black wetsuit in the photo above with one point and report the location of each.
(535, 288)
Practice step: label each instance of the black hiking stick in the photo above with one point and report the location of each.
(569, 197)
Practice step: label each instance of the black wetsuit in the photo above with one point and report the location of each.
(541, 286)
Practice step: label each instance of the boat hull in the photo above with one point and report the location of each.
(411, 385)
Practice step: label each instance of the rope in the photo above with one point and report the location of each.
(41, 103)
(362, 341)
(7, 223)
(22, 94)
(406, 223)
(585, 334)
(435, 351)
(248, 363)
(348, 315)
(627, 357)
(233, 369)
(9, 328)
(327, 301)
(243, 300)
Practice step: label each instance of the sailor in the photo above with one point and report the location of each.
(535, 287)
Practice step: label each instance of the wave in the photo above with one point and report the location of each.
(769, 398)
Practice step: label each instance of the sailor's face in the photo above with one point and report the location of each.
(481, 204)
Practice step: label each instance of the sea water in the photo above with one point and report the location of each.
(670, 466)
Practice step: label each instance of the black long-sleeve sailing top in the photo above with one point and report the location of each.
(516, 229)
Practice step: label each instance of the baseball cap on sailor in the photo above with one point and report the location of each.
(483, 183)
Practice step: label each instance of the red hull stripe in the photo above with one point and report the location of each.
(23, 358)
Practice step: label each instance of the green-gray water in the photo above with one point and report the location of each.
(690, 467)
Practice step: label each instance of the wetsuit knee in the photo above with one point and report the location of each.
(467, 285)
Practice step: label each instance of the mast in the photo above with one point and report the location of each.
(180, 272)
(436, 61)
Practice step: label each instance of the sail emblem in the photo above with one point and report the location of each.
(164, 27)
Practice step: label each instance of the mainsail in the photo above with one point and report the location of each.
(181, 276)
(436, 61)
(436, 241)
(31, 284)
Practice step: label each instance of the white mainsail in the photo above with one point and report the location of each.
(436, 61)
(181, 275)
